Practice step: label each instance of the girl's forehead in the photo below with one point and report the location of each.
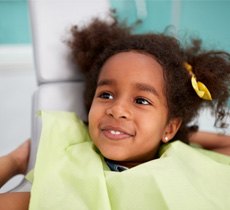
(132, 63)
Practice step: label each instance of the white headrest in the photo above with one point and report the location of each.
(51, 21)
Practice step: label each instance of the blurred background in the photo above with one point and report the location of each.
(206, 19)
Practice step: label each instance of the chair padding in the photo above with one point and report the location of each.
(65, 96)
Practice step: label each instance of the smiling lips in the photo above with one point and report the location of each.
(115, 133)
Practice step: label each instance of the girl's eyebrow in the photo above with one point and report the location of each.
(147, 88)
(105, 82)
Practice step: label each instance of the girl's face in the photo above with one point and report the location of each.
(128, 116)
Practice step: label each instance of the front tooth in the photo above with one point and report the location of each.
(115, 132)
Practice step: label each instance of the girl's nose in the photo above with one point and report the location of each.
(119, 110)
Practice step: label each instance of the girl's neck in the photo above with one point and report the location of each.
(127, 164)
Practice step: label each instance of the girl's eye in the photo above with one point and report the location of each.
(142, 101)
(105, 95)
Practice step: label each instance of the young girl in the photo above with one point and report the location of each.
(142, 92)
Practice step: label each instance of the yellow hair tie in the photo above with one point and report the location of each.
(201, 90)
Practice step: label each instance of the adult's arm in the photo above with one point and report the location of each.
(14, 163)
(212, 141)
(14, 201)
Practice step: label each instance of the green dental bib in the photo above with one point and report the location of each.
(70, 174)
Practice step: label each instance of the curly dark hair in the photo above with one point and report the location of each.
(93, 44)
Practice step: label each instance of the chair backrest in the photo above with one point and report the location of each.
(51, 21)
(60, 85)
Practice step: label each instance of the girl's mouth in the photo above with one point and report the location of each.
(115, 133)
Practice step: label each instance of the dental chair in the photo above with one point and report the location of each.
(60, 85)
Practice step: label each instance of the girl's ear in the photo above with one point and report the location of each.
(171, 129)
